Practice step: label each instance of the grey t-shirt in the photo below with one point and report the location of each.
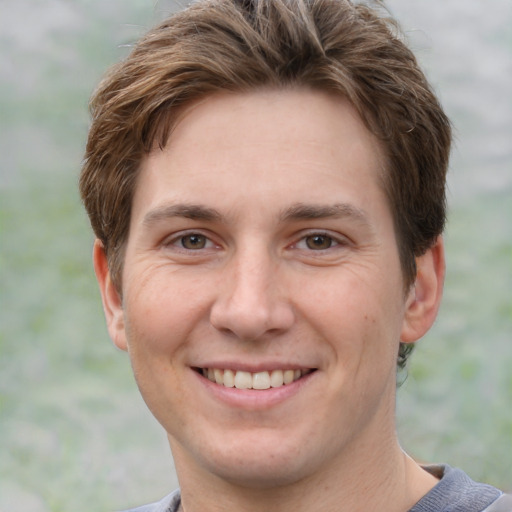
(455, 492)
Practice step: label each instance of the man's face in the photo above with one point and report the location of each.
(262, 250)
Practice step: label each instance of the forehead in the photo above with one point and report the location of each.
(270, 146)
(299, 114)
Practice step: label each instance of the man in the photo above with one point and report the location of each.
(266, 181)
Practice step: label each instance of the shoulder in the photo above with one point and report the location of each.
(169, 503)
(502, 504)
(456, 492)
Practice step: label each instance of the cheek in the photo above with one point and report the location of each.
(359, 316)
(160, 314)
(156, 329)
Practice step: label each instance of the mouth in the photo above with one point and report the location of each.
(259, 380)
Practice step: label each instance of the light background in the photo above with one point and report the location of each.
(74, 433)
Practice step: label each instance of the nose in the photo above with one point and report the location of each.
(251, 301)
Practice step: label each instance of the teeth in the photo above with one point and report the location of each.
(247, 380)
(219, 376)
(261, 380)
(288, 376)
(276, 379)
(229, 379)
(243, 380)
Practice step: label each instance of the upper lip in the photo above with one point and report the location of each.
(253, 367)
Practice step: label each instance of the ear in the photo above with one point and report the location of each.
(425, 295)
(112, 302)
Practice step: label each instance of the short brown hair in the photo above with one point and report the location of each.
(240, 45)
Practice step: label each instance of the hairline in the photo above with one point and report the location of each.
(163, 137)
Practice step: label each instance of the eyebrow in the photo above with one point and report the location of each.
(188, 211)
(301, 211)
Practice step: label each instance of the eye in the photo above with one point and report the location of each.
(319, 242)
(194, 241)
(190, 242)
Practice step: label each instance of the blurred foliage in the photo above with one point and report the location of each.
(74, 432)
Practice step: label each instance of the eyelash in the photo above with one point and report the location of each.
(334, 241)
(302, 244)
(177, 241)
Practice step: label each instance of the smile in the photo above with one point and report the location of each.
(259, 380)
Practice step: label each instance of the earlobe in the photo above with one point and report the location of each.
(425, 296)
(112, 303)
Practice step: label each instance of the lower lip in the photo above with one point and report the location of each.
(255, 399)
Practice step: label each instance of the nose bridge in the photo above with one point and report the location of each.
(253, 274)
(249, 303)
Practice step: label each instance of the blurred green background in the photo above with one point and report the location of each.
(74, 433)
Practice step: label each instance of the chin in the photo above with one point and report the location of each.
(257, 474)
(260, 461)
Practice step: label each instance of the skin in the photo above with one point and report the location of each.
(261, 238)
